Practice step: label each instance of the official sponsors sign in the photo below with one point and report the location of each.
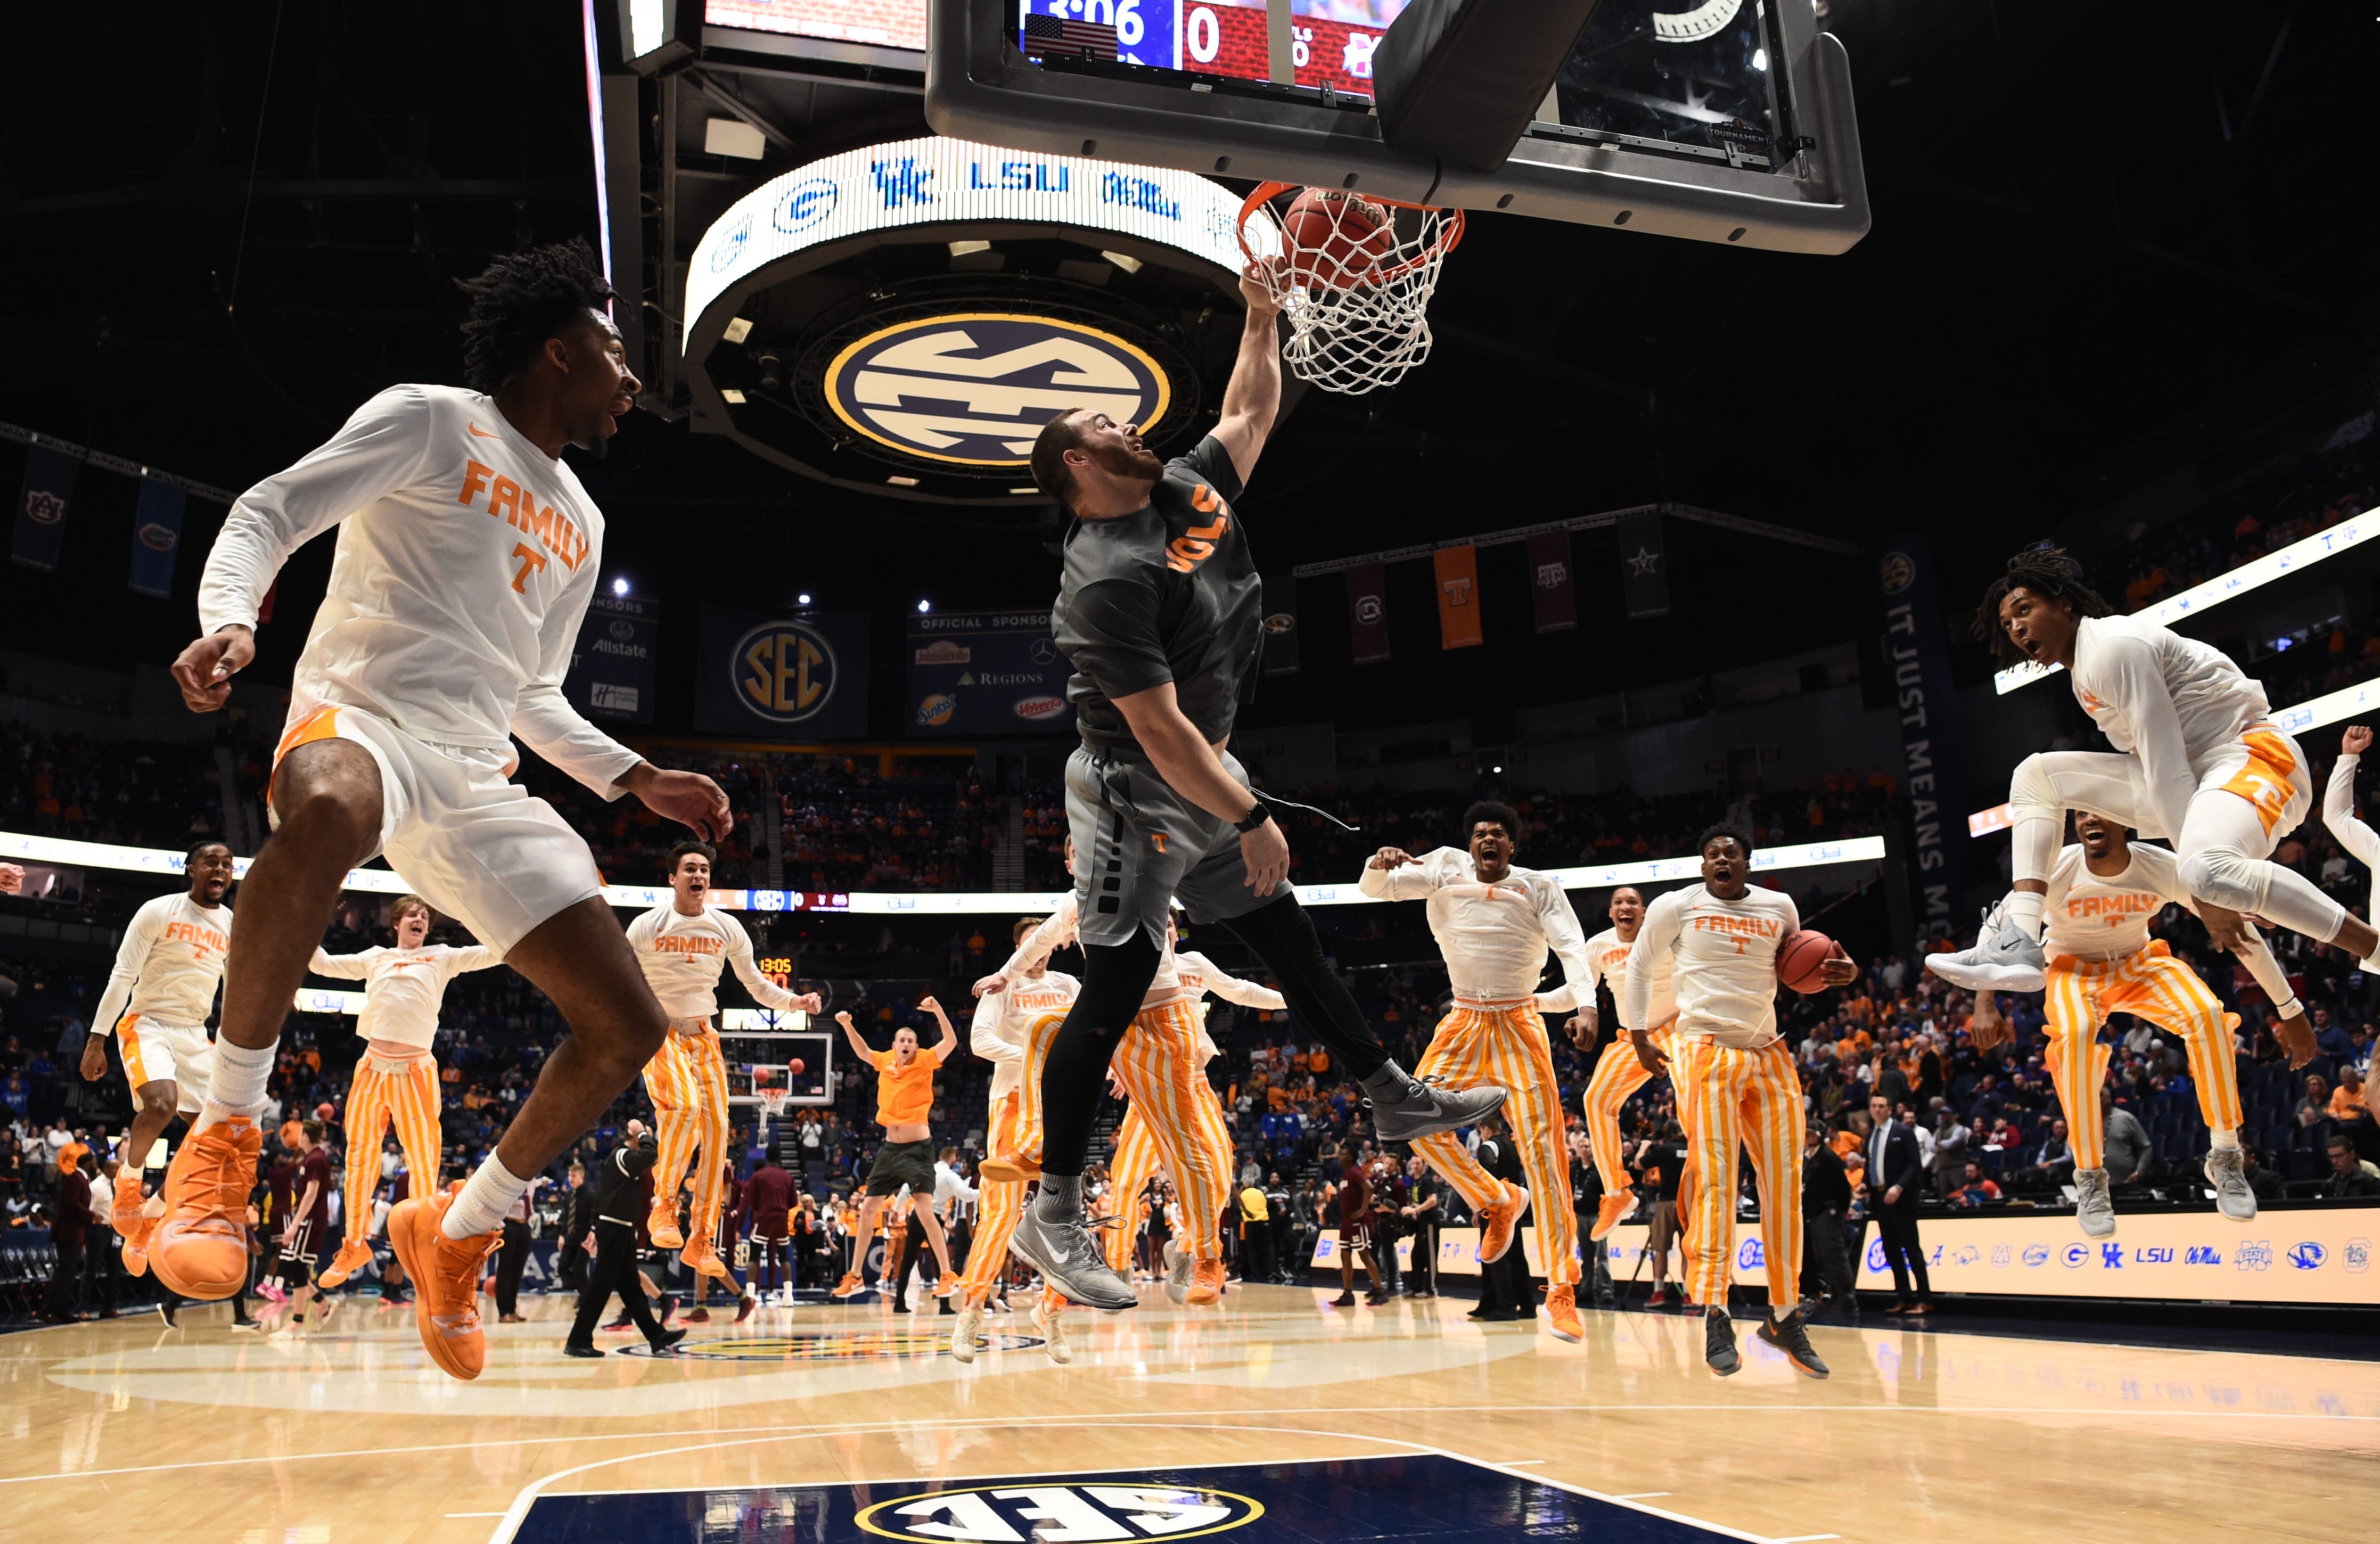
(986, 673)
(800, 678)
(612, 670)
(937, 181)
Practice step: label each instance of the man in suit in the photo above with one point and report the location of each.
(1826, 1197)
(1895, 1167)
(1506, 1292)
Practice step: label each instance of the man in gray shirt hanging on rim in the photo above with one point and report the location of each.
(1161, 613)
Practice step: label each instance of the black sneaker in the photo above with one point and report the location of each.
(666, 1339)
(1718, 1344)
(1791, 1336)
(580, 1351)
(1344, 1300)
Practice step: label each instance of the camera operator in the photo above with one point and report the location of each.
(619, 1201)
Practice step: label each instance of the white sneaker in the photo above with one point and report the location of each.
(2002, 960)
(2094, 1207)
(1052, 1330)
(2226, 1171)
(1178, 1266)
(967, 1334)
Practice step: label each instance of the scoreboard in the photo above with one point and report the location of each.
(1331, 41)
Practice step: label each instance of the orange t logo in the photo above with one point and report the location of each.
(530, 562)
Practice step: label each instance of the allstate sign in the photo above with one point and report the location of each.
(975, 387)
(936, 181)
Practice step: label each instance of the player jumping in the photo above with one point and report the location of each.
(1618, 1072)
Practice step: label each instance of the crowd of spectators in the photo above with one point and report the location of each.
(134, 792)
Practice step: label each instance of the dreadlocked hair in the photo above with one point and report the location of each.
(2049, 573)
(521, 299)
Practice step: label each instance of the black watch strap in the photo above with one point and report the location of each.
(1254, 820)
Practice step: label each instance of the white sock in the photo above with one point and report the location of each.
(2024, 908)
(2226, 1140)
(237, 1086)
(481, 1209)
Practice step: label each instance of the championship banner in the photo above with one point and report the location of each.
(1644, 566)
(1280, 624)
(612, 670)
(1553, 581)
(1367, 610)
(156, 538)
(795, 678)
(1917, 651)
(42, 505)
(1457, 597)
(986, 673)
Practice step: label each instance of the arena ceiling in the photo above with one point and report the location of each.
(2107, 244)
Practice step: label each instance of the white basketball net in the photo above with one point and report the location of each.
(772, 1102)
(1358, 302)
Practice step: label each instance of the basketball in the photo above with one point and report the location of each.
(1801, 957)
(793, 1068)
(1334, 238)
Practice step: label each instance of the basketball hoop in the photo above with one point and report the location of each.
(773, 1103)
(1354, 275)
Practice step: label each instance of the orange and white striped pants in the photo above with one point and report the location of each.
(1618, 1074)
(1159, 1065)
(2158, 988)
(389, 1092)
(1130, 1167)
(1504, 1043)
(687, 1080)
(1014, 1127)
(1732, 1100)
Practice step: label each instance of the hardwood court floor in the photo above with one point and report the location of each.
(204, 1435)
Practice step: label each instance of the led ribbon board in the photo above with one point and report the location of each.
(22, 847)
(2322, 544)
(942, 182)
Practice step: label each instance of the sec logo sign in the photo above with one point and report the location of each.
(975, 387)
(783, 671)
(1056, 1509)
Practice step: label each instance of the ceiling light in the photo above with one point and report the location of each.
(1760, 58)
(619, 587)
(731, 395)
(924, 605)
(901, 481)
(803, 598)
(1124, 260)
(1025, 489)
(733, 137)
(737, 330)
(961, 249)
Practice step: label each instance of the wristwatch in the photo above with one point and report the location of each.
(1254, 820)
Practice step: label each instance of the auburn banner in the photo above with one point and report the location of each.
(1367, 610)
(41, 504)
(1457, 597)
(1644, 566)
(1551, 581)
(156, 538)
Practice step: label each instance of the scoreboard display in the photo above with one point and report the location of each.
(1331, 41)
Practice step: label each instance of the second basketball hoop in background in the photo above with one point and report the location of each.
(1352, 275)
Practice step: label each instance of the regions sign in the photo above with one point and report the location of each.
(984, 674)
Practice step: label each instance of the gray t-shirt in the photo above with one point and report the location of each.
(1168, 592)
(2128, 1145)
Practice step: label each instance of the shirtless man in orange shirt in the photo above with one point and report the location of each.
(905, 1097)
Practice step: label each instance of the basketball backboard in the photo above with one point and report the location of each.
(1727, 120)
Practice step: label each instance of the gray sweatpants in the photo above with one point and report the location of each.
(1139, 847)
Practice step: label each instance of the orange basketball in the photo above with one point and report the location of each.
(794, 1068)
(1801, 956)
(1334, 238)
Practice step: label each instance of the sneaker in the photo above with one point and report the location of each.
(1178, 1266)
(948, 1284)
(1660, 1298)
(1424, 1107)
(745, 1305)
(1374, 1298)
(580, 1351)
(353, 1255)
(135, 1236)
(701, 1259)
(1010, 1168)
(1791, 1335)
(1062, 1249)
(165, 1312)
(1499, 1223)
(2226, 1171)
(1612, 1211)
(2002, 960)
(1344, 1300)
(669, 1307)
(848, 1287)
(1048, 1321)
(698, 1315)
(1206, 1283)
(622, 1323)
(666, 1339)
(2094, 1207)
(1561, 1314)
(272, 1291)
(967, 1334)
(445, 1276)
(663, 1227)
(325, 1307)
(1718, 1344)
(200, 1249)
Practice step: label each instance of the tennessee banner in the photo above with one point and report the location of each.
(1457, 597)
(156, 538)
(1367, 611)
(1551, 581)
(41, 503)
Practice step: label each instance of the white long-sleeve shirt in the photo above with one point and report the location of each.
(1724, 962)
(682, 954)
(2172, 701)
(1607, 958)
(1198, 976)
(1495, 937)
(1056, 931)
(168, 965)
(2362, 844)
(402, 988)
(2091, 917)
(1002, 1018)
(466, 559)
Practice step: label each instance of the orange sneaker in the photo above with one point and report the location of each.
(663, 1225)
(200, 1248)
(445, 1273)
(1206, 1283)
(136, 1234)
(1614, 1210)
(353, 1255)
(126, 1213)
(1495, 1223)
(703, 1259)
(1010, 1168)
(1561, 1314)
(847, 1287)
(948, 1284)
